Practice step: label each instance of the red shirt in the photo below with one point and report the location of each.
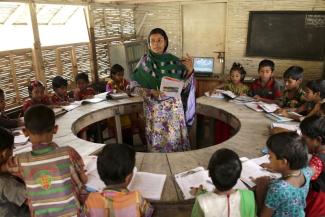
(29, 102)
(270, 90)
(84, 94)
(58, 100)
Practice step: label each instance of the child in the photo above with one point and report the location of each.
(12, 190)
(237, 75)
(54, 176)
(36, 95)
(60, 96)
(314, 95)
(313, 131)
(5, 121)
(293, 95)
(285, 196)
(224, 170)
(265, 88)
(83, 91)
(116, 82)
(116, 200)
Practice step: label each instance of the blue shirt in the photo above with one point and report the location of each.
(286, 200)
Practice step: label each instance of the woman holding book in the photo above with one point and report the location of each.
(167, 118)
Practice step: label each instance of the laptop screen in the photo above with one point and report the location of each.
(203, 65)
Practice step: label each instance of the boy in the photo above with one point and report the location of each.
(54, 176)
(5, 121)
(265, 88)
(293, 95)
(116, 200)
(60, 96)
(12, 191)
(83, 91)
(224, 170)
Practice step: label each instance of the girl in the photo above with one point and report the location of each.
(37, 95)
(60, 96)
(236, 75)
(313, 131)
(285, 196)
(116, 82)
(83, 91)
(224, 170)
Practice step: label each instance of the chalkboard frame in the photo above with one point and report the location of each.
(249, 48)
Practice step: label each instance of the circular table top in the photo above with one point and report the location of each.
(251, 134)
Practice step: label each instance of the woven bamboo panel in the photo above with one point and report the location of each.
(16, 70)
(103, 59)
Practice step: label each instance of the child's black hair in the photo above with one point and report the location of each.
(39, 119)
(2, 93)
(160, 32)
(82, 76)
(58, 82)
(289, 146)
(115, 163)
(238, 67)
(116, 68)
(314, 127)
(317, 86)
(294, 72)
(265, 63)
(7, 139)
(224, 169)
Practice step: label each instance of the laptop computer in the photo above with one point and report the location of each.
(203, 66)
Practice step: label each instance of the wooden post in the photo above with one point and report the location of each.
(14, 78)
(37, 49)
(92, 43)
(74, 61)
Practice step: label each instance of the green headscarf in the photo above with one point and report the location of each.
(152, 67)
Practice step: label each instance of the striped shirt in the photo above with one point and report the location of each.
(117, 203)
(53, 186)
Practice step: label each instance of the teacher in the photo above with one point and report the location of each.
(166, 126)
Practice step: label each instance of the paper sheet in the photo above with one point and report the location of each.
(171, 87)
(269, 108)
(149, 184)
(277, 118)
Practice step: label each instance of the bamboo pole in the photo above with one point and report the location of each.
(92, 43)
(37, 49)
(58, 61)
(14, 77)
(74, 62)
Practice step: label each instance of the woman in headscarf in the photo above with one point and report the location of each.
(167, 118)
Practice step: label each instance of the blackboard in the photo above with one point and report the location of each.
(287, 34)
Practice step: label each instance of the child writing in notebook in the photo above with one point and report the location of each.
(54, 175)
(314, 96)
(285, 196)
(83, 91)
(36, 91)
(60, 96)
(5, 121)
(12, 190)
(236, 77)
(265, 88)
(116, 200)
(224, 170)
(313, 132)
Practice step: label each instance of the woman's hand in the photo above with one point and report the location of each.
(157, 93)
(188, 63)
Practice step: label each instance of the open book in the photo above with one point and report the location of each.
(150, 185)
(196, 177)
(171, 87)
(278, 118)
(252, 169)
